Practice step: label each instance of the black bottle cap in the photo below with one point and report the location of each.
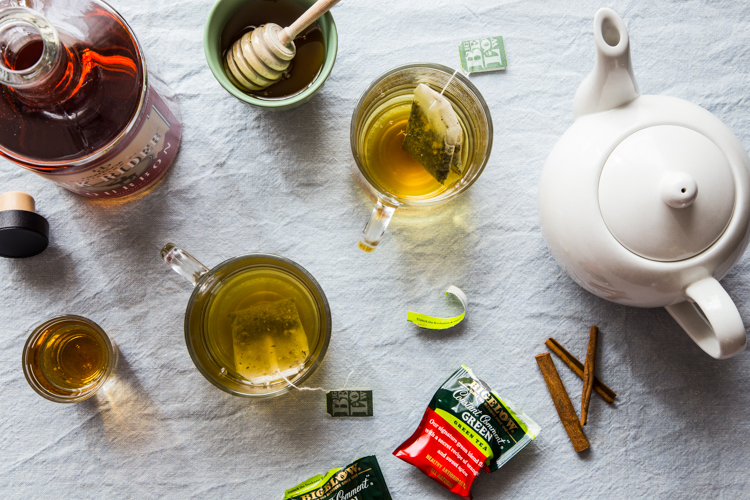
(23, 233)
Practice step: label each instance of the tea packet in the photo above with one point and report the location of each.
(268, 338)
(466, 428)
(433, 133)
(360, 480)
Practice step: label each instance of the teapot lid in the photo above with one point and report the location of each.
(666, 193)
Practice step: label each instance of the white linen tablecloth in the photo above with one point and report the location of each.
(248, 180)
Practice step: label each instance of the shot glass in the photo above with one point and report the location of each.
(68, 358)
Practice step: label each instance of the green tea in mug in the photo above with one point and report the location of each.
(261, 323)
(255, 324)
(386, 161)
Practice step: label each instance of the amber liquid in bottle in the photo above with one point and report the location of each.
(27, 56)
(85, 104)
(77, 107)
(311, 53)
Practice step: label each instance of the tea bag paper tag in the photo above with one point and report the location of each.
(424, 321)
(483, 54)
(356, 402)
(349, 403)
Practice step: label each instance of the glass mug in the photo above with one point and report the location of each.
(389, 177)
(68, 358)
(253, 322)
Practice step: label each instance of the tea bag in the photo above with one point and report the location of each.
(433, 133)
(268, 338)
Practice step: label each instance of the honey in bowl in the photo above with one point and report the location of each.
(307, 63)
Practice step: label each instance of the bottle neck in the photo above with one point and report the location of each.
(30, 49)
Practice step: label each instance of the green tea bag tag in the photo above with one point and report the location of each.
(424, 321)
(483, 54)
(355, 402)
(349, 403)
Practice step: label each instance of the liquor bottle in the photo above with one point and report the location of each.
(78, 105)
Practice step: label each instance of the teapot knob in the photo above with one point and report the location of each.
(678, 189)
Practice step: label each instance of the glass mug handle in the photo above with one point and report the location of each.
(183, 263)
(376, 226)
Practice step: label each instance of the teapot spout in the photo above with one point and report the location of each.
(611, 84)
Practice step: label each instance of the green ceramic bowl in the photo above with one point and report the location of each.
(222, 11)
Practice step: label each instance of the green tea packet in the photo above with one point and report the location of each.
(360, 480)
(466, 428)
(268, 338)
(433, 133)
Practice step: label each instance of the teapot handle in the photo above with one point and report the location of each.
(183, 263)
(718, 330)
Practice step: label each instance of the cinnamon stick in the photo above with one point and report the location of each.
(588, 374)
(605, 392)
(562, 402)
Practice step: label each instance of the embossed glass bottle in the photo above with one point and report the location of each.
(78, 105)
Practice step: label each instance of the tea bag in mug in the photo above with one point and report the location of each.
(433, 133)
(268, 338)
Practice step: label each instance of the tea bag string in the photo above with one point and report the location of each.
(444, 87)
(313, 388)
(449, 82)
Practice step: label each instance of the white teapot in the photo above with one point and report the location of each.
(645, 200)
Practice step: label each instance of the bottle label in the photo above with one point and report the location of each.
(137, 165)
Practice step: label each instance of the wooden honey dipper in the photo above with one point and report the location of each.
(260, 58)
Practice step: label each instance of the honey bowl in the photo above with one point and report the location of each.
(230, 19)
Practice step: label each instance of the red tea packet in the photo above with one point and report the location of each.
(466, 428)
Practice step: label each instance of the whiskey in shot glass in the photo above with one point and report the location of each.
(68, 358)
